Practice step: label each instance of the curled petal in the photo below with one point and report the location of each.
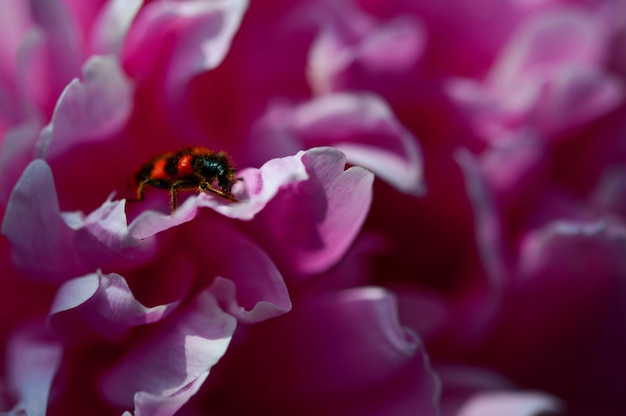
(248, 286)
(42, 244)
(105, 303)
(311, 224)
(92, 109)
(103, 237)
(167, 366)
(360, 125)
(32, 362)
(196, 34)
(53, 245)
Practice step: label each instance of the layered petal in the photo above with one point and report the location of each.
(194, 36)
(162, 372)
(360, 125)
(89, 110)
(42, 244)
(102, 303)
(53, 245)
(310, 225)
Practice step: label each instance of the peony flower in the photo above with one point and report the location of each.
(429, 216)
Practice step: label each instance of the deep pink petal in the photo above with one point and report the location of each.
(42, 244)
(338, 354)
(89, 110)
(103, 302)
(32, 361)
(360, 125)
(167, 362)
(310, 225)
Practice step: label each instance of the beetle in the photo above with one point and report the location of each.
(189, 168)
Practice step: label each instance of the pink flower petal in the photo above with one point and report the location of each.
(103, 302)
(42, 244)
(311, 224)
(248, 284)
(195, 34)
(103, 237)
(92, 109)
(573, 97)
(549, 76)
(348, 354)
(32, 362)
(562, 37)
(112, 24)
(167, 365)
(53, 245)
(510, 404)
(16, 153)
(62, 40)
(351, 40)
(151, 404)
(360, 125)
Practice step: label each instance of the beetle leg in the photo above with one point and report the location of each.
(206, 186)
(140, 191)
(173, 191)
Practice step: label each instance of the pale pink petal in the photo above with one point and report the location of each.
(169, 360)
(105, 304)
(109, 30)
(154, 405)
(310, 225)
(360, 125)
(32, 358)
(42, 244)
(89, 110)
(15, 154)
(103, 237)
(248, 286)
(462, 382)
(195, 34)
(511, 404)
